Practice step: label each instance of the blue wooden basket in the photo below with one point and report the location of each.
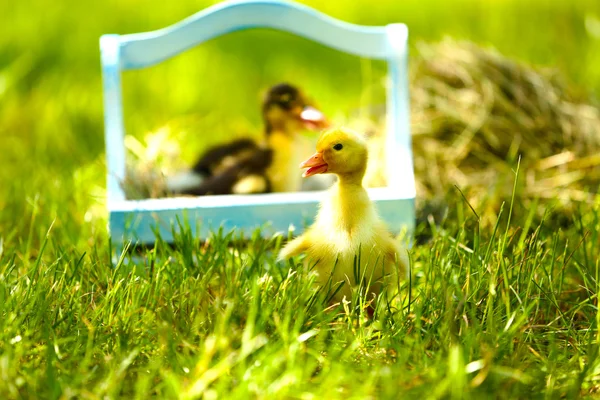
(138, 220)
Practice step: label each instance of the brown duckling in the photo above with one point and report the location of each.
(244, 166)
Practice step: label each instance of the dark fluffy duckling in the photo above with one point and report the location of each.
(244, 166)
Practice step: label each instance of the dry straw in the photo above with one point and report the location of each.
(475, 112)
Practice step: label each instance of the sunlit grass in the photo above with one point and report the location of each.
(50, 85)
(509, 311)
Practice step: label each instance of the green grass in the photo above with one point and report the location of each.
(504, 313)
(50, 85)
(509, 312)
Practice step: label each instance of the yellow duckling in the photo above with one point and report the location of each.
(347, 221)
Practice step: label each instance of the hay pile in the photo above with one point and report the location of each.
(474, 113)
(148, 163)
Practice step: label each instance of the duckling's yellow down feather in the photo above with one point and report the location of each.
(347, 227)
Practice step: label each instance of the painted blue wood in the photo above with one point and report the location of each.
(114, 131)
(400, 172)
(138, 220)
(145, 49)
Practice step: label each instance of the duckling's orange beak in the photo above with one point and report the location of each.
(313, 119)
(315, 164)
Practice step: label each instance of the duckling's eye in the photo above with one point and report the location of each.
(338, 147)
(285, 101)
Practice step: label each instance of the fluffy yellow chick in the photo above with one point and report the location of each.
(347, 221)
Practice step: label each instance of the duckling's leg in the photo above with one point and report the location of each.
(396, 270)
(251, 184)
(396, 255)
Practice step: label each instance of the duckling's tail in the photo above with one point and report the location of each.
(183, 181)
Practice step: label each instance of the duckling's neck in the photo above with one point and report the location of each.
(287, 154)
(350, 201)
(275, 137)
(351, 180)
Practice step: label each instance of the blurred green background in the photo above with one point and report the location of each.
(51, 119)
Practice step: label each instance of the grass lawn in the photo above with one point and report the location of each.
(507, 309)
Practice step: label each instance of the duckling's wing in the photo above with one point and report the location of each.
(295, 247)
(183, 181)
(214, 156)
(213, 160)
(235, 179)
